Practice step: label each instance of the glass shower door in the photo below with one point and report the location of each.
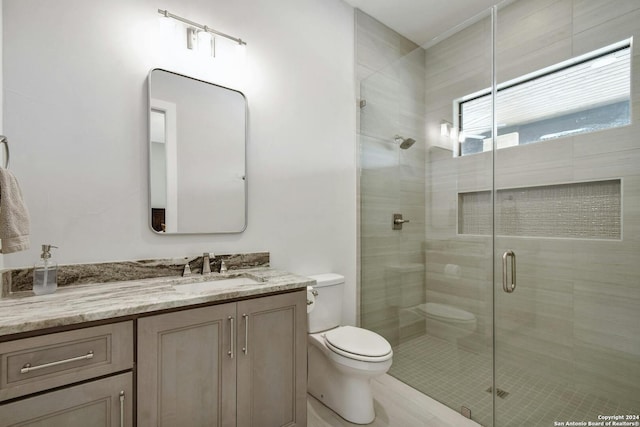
(392, 208)
(427, 287)
(567, 229)
(512, 293)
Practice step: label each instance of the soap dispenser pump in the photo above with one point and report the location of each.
(45, 273)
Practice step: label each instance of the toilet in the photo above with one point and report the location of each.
(447, 322)
(342, 360)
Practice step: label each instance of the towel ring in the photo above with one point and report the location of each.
(5, 141)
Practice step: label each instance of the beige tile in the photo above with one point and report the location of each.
(606, 165)
(543, 31)
(369, 25)
(378, 46)
(510, 65)
(591, 34)
(444, 88)
(380, 118)
(376, 154)
(608, 372)
(588, 13)
(618, 139)
(450, 53)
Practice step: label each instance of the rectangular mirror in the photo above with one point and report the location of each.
(197, 163)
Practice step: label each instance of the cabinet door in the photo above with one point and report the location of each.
(187, 368)
(272, 361)
(107, 402)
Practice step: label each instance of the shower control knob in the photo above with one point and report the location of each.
(398, 221)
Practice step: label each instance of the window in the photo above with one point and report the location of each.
(584, 94)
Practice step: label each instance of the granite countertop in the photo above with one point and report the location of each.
(25, 312)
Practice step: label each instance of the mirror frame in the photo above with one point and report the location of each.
(148, 142)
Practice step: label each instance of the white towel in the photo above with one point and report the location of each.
(14, 217)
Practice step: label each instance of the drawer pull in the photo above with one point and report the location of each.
(122, 408)
(232, 333)
(28, 368)
(245, 349)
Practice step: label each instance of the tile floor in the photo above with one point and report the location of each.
(456, 377)
(396, 405)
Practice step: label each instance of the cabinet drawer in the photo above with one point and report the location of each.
(107, 402)
(39, 363)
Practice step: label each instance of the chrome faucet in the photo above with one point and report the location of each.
(206, 262)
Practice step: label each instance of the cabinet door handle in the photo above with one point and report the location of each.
(28, 368)
(245, 349)
(232, 333)
(121, 408)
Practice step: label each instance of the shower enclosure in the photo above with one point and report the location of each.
(512, 292)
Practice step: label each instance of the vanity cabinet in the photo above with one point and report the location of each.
(90, 362)
(105, 402)
(234, 364)
(272, 361)
(187, 368)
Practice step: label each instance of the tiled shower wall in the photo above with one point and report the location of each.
(574, 313)
(455, 67)
(391, 81)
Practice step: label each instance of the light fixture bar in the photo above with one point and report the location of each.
(168, 14)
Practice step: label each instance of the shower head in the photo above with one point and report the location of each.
(404, 142)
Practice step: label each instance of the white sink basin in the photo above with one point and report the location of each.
(215, 285)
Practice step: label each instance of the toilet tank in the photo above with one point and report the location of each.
(327, 310)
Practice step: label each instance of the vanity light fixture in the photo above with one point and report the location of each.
(198, 33)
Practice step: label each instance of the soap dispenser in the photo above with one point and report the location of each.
(45, 273)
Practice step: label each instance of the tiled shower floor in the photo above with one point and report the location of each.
(458, 378)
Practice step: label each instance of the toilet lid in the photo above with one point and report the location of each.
(358, 341)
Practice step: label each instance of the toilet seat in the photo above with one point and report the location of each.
(358, 344)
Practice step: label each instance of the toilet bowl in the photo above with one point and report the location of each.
(447, 322)
(341, 379)
(342, 360)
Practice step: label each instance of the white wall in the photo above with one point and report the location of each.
(75, 110)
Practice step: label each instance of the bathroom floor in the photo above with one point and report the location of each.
(456, 377)
(396, 405)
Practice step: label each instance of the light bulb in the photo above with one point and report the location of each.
(462, 137)
(205, 43)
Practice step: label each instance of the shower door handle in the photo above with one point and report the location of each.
(506, 286)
